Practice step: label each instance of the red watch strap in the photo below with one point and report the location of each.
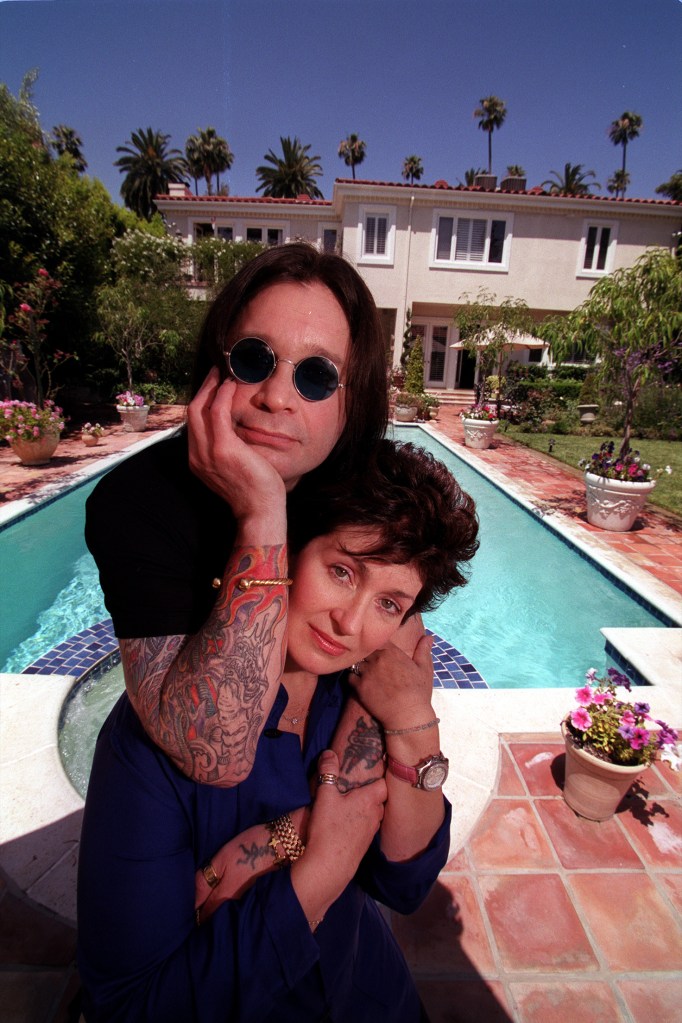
(402, 771)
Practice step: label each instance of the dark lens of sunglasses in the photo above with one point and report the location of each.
(251, 360)
(316, 378)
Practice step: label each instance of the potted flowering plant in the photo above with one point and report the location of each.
(480, 423)
(133, 411)
(91, 433)
(33, 431)
(406, 406)
(609, 743)
(617, 486)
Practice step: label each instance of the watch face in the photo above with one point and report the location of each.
(435, 774)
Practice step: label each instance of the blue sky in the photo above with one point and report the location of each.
(405, 75)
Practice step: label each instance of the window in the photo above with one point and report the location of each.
(329, 239)
(202, 231)
(226, 233)
(268, 235)
(597, 249)
(468, 241)
(377, 235)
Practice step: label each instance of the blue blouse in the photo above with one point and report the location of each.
(146, 830)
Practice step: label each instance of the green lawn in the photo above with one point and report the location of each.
(658, 453)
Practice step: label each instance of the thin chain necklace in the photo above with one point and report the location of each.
(295, 721)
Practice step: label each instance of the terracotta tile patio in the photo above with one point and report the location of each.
(541, 917)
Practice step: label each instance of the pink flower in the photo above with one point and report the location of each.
(628, 718)
(36, 431)
(581, 720)
(584, 696)
(43, 273)
(25, 307)
(639, 738)
(600, 698)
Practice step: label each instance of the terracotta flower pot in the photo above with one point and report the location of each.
(90, 440)
(38, 451)
(615, 504)
(594, 788)
(478, 433)
(134, 419)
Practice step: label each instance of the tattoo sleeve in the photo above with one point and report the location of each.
(204, 699)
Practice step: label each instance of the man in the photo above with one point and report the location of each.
(290, 376)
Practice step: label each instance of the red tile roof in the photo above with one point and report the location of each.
(300, 200)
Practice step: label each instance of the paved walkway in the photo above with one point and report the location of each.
(541, 917)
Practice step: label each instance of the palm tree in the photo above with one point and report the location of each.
(412, 168)
(491, 114)
(207, 154)
(471, 174)
(672, 188)
(66, 140)
(573, 182)
(352, 150)
(618, 183)
(149, 167)
(292, 174)
(623, 130)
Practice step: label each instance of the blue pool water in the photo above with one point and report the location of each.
(529, 617)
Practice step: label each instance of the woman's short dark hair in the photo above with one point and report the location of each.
(366, 391)
(417, 506)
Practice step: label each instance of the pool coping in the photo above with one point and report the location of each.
(42, 812)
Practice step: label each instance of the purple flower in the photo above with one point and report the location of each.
(626, 731)
(591, 673)
(642, 708)
(619, 679)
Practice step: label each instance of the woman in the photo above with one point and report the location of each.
(304, 942)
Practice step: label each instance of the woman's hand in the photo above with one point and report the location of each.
(340, 832)
(395, 688)
(235, 471)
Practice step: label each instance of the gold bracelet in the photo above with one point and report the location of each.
(246, 584)
(280, 858)
(415, 728)
(282, 829)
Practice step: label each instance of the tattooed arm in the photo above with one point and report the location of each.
(204, 699)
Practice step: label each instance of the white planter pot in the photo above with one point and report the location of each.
(478, 433)
(615, 504)
(405, 414)
(134, 419)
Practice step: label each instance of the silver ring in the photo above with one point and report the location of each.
(355, 668)
(327, 779)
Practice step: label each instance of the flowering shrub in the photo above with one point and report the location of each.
(130, 400)
(620, 467)
(613, 730)
(92, 429)
(485, 413)
(23, 420)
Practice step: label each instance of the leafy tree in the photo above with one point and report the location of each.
(66, 141)
(488, 332)
(207, 154)
(149, 167)
(412, 168)
(491, 114)
(352, 150)
(618, 183)
(672, 188)
(471, 174)
(292, 174)
(145, 310)
(623, 130)
(50, 219)
(572, 182)
(631, 324)
(216, 261)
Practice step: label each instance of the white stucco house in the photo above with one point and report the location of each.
(427, 247)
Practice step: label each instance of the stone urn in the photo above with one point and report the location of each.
(594, 788)
(134, 418)
(38, 451)
(405, 413)
(478, 433)
(615, 504)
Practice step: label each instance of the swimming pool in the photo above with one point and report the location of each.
(529, 617)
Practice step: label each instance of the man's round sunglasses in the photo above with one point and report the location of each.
(251, 361)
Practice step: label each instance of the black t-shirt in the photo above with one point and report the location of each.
(159, 537)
